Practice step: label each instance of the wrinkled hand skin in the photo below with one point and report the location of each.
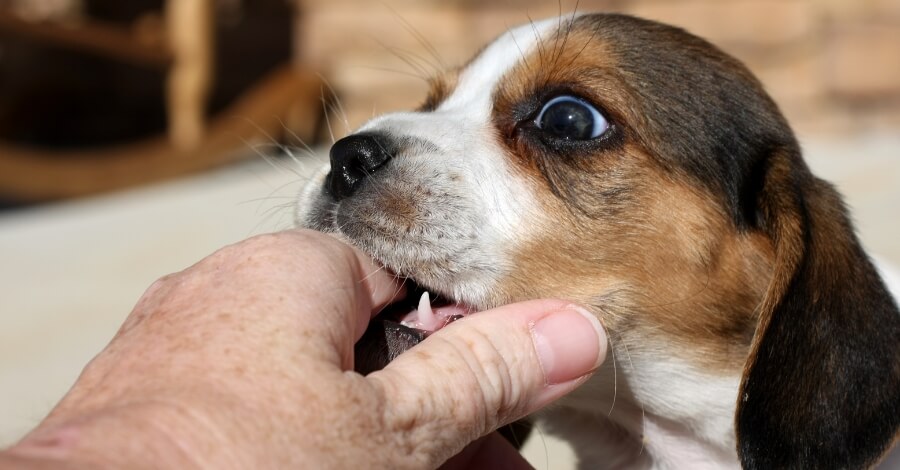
(218, 313)
(384, 340)
(221, 311)
(245, 360)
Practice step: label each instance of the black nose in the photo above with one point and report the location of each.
(355, 158)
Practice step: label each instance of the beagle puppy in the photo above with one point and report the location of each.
(635, 169)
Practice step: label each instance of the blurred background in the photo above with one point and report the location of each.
(136, 136)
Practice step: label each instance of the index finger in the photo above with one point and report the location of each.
(341, 289)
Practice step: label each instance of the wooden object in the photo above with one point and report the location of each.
(181, 42)
(257, 116)
(108, 40)
(186, 52)
(190, 37)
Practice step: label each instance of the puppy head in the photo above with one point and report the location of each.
(637, 170)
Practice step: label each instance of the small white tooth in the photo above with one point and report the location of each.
(426, 315)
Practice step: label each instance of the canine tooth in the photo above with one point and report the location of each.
(426, 315)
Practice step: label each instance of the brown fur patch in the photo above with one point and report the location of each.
(678, 272)
(649, 250)
(821, 388)
(439, 88)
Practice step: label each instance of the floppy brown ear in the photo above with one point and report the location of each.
(821, 387)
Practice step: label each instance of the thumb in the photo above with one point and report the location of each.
(485, 371)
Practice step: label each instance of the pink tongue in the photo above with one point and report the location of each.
(431, 319)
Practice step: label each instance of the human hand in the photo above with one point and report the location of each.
(245, 360)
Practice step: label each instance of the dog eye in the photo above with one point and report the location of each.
(570, 118)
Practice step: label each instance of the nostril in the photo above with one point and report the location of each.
(355, 158)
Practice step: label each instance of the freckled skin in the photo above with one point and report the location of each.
(245, 360)
(246, 306)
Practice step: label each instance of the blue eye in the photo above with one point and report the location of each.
(570, 118)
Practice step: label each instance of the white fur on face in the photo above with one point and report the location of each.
(461, 128)
(472, 207)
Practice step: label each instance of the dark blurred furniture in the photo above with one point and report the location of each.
(137, 91)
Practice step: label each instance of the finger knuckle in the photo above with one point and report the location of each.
(468, 387)
(491, 370)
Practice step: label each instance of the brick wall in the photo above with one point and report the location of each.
(833, 65)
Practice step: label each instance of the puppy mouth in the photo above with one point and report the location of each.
(426, 312)
(402, 325)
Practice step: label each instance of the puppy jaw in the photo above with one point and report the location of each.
(675, 275)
